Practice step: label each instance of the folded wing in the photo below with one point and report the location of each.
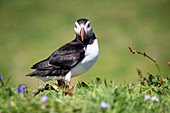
(61, 61)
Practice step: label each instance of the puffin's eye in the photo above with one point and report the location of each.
(75, 26)
(88, 26)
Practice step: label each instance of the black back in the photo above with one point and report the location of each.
(62, 60)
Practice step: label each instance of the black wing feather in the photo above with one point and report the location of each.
(61, 61)
(41, 65)
(67, 57)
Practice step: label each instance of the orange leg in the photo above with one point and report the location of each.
(69, 84)
(60, 83)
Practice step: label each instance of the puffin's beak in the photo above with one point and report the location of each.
(82, 33)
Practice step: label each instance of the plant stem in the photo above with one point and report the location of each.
(2, 83)
(159, 72)
(145, 55)
(154, 61)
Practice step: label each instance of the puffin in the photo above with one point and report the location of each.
(72, 59)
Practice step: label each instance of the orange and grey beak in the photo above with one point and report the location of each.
(82, 33)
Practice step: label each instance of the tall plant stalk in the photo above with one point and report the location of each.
(145, 55)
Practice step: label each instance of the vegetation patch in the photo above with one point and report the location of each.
(150, 95)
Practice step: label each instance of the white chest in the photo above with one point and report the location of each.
(91, 56)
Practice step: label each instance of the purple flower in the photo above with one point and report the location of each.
(146, 97)
(44, 99)
(154, 98)
(104, 105)
(21, 89)
(1, 78)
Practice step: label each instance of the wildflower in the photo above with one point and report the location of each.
(154, 98)
(21, 89)
(104, 105)
(44, 99)
(146, 97)
(1, 78)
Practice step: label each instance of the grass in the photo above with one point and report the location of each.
(86, 98)
(151, 94)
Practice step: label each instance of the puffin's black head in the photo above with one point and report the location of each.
(83, 29)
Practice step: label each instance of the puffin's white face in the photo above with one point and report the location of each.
(83, 29)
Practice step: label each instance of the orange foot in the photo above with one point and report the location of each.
(61, 84)
(69, 84)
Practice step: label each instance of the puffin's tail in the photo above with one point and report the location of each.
(35, 73)
(38, 73)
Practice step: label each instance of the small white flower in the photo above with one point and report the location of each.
(104, 105)
(154, 98)
(146, 97)
(44, 99)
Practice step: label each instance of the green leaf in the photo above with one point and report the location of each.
(8, 80)
(145, 54)
(84, 84)
(54, 83)
(155, 59)
(105, 82)
(98, 80)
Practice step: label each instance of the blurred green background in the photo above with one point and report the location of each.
(30, 30)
